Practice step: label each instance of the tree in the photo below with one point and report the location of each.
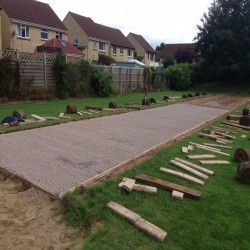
(184, 56)
(223, 39)
(161, 47)
(168, 61)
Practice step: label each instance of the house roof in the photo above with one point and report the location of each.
(102, 32)
(62, 45)
(171, 49)
(140, 39)
(33, 13)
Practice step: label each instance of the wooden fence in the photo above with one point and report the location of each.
(39, 69)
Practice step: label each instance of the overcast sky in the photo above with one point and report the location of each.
(168, 21)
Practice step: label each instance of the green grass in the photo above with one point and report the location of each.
(54, 107)
(220, 220)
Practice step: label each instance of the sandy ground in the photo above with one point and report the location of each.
(30, 219)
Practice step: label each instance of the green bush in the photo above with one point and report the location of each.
(105, 60)
(179, 76)
(168, 61)
(5, 76)
(101, 82)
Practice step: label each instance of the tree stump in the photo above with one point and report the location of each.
(152, 100)
(184, 96)
(245, 120)
(241, 155)
(145, 102)
(189, 95)
(245, 111)
(197, 94)
(113, 105)
(243, 172)
(166, 98)
(19, 114)
(71, 109)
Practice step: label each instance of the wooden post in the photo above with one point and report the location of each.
(45, 70)
(120, 72)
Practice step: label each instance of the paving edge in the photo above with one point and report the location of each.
(150, 151)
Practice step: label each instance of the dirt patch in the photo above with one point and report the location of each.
(29, 219)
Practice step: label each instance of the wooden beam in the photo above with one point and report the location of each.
(198, 157)
(215, 145)
(209, 147)
(38, 118)
(236, 125)
(182, 176)
(192, 165)
(189, 192)
(212, 162)
(212, 150)
(188, 169)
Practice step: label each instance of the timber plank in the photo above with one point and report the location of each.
(236, 125)
(189, 192)
(216, 145)
(198, 157)
(212, 162)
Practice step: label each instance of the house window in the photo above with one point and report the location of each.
(58, 35)
(152, 56)
(101, 46)
(23, 30)
(121, 51)
(114, 51)
(94, 45)
(44, 34)
(129, 53)
(75, 42)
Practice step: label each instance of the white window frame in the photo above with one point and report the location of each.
(114, 51)
(75, 42)
(59, 35)
(94, 45)
(121, 51)
(101, 46)
(46, 33)
(23, 28)
(130, 54)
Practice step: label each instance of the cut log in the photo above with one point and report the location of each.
(94, 108)
(145, 102)
(184, 150)
(71, 109)
(150, 229)
(234, 117)
(123, 212)
(244, 172)
(38, 118)
(215, 145)
(144, 188)
(198, 157)
(182, 176)
(195, 166)
(19, 114)
(188, 169)
(189, 192)
(177, 195)
(214, 162)
(236, 125)
(113, 105)
(245, 120)
(241, 155)
(245, 111)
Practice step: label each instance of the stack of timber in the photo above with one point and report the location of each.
(140, 223)
(210, 149)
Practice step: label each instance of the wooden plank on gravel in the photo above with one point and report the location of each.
(189, 192)
(123, 212)
(150, 229)
(215, 145)
(182, 176)
(236, 125)
(188, 169)
(195, 166)
(198, 157)
(212, 162)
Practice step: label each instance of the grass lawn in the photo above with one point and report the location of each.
(54, 107)
(220, 220)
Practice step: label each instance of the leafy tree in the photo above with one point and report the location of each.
(105, 60)
(184, 56)
(223, 39)
(161, 47)
(168, 61)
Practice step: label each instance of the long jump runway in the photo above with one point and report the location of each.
(60, 157)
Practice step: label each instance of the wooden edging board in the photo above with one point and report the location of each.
(189, 192)
(236, 125)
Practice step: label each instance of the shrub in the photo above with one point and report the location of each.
(5, 76)
(105, 60)
(168, 61)
(179, 76)
(101, 82)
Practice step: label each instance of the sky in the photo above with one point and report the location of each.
(168, 21)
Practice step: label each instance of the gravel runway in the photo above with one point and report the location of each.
(60, 157)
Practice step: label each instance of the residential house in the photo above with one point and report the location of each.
(173, 49)
(58, 45)
(26, 24)
(143, 50)
(97, 39)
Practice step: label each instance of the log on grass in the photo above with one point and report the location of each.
(245, 120)
(19, 114)
(113, 105)
(71, 109)
(242, 154)
(243, 171)
(189, 192)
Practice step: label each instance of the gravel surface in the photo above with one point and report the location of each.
(60, 157)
